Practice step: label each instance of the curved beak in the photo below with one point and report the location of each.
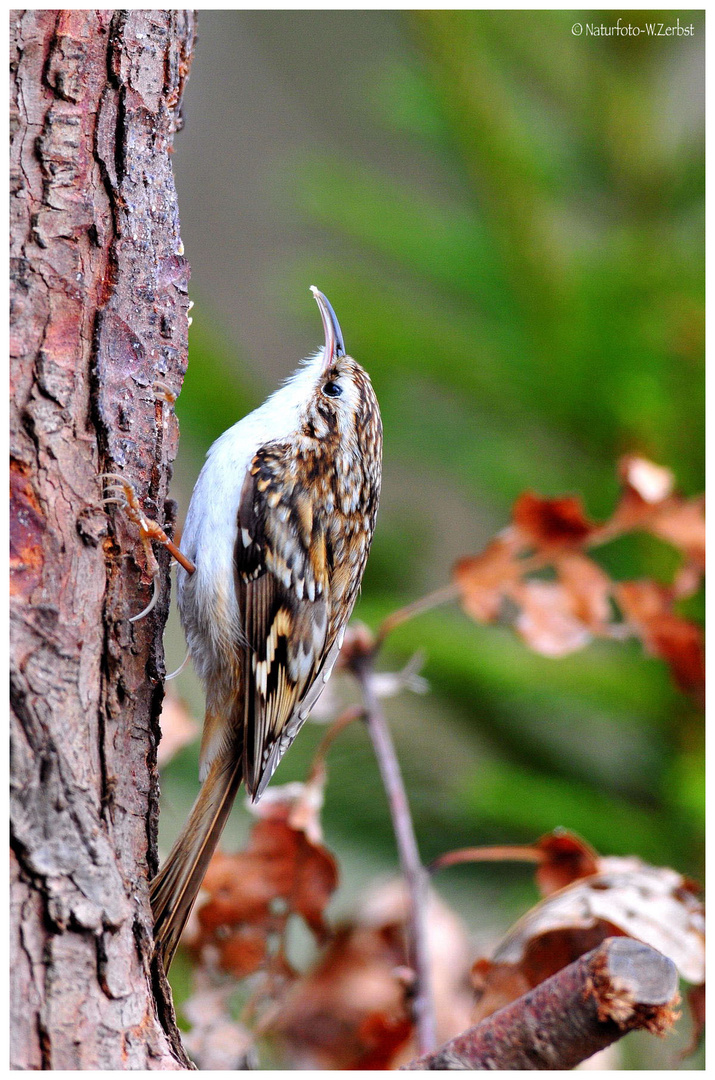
(334, 344)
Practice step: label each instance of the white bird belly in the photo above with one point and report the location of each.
(207, 598)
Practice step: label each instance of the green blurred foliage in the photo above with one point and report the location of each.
(525, 323)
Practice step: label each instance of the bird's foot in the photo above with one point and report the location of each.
(120, 491)
(163, 392)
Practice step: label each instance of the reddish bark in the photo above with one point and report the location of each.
(99, 301)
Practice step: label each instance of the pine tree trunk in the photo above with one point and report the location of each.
(99, 313)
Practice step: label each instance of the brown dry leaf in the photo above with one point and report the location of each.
(680, 643)
(626, 897)
(654, 904)
(647, 607)
(565, 859)
(547, 622)
(297, 803)
(178, 728)
(648, 502)
(483, 579)
(643, 601)
(559, 617)
(352, 1011)
(500, 981)
(589, 588)
(252, 893)
(552, 522)
(645, 487)
(682, 524)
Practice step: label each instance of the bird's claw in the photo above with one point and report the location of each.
(154, 597)
(123, 494)
(180, 668)
(163, 392)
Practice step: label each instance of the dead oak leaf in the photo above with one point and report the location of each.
(280, 865)
(484, 579)
(350, 1008)
(647, 606)
(682, 524)
(551, 522)
(588, 587)
(250, 894)
(625, 897)
(547, 621)
(649, 502)
(565, 858)
(298, 803)
(353, 1010)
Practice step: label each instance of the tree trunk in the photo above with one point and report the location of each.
(99, 312)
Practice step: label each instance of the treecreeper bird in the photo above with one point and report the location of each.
(278, 531)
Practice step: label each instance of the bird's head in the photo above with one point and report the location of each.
(328, 405)
(341, 402)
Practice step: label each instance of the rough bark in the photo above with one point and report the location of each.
(621, 986)
(99, 312)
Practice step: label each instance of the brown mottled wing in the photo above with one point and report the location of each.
(283, 590)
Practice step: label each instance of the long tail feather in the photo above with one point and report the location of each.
(176, 886)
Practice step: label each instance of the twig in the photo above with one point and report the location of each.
(618, 987)
(417, 607)
(349, 716)
(414, 873)
(496, 853)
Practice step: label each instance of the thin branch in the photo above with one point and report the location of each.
(414, 873)
(417, 607)
(497, 853)
(349, 716)
(618, 987)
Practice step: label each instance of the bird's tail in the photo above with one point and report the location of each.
(176, 886)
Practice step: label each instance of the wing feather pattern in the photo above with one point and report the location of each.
(283, 594)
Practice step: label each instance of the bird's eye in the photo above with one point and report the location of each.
(332, 389)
